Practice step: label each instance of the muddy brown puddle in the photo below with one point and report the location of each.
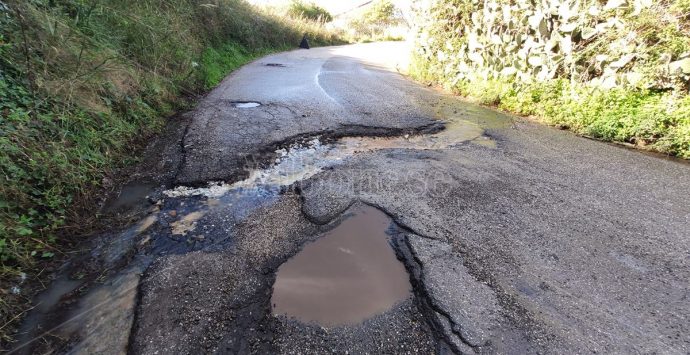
(348, 275)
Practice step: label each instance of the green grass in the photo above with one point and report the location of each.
(654, 120)
(82, 81)
(216, 63)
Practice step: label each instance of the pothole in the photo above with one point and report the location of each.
(275, 65)
(297, 162)
(348, 275)
(245, 104)
(303, 160)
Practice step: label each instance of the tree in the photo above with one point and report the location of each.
(309, 11)
(382, 13)
(377, 18)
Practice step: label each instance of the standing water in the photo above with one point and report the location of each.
(348, 275)
(247, 104)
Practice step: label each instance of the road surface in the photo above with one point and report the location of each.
(515, 237)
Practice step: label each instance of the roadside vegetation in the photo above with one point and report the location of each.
(309, 11)
(377, 22)
(84, 82)
(615, 70)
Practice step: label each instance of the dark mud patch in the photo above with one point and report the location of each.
(133, 195)
(348, 275)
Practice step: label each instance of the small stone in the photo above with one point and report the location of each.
(172, 213)
(144, 241)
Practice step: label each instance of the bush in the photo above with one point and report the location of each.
(309, 11)
(618, 71)
(373, 23)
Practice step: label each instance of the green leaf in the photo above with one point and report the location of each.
(24, 231)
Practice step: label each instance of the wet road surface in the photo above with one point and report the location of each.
(346, 276)
(514, 237)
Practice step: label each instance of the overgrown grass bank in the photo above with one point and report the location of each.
(614, 70)
(81, 80)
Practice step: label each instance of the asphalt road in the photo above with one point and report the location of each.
(518, 238)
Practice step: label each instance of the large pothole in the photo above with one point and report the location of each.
(348, 275)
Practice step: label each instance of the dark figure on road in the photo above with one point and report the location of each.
(305, 43)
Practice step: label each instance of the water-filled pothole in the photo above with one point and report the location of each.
(348, 275)
(245, 104)
(295, 163)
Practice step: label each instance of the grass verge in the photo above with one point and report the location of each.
(652, 120)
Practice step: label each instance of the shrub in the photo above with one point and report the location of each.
(309, 11)
(372, 23)
(618, 71)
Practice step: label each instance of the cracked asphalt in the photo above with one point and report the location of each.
(518, 238)
(546, 243)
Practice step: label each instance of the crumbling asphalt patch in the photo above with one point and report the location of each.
(230, 156)
(220, 301)
(468, 320)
